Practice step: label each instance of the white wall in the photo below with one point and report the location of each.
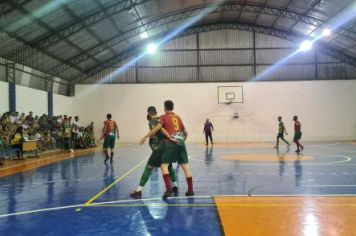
(28, 99)
(4, 97)
(326, 109)
(62, 105)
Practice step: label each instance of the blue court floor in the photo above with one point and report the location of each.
(51, 200)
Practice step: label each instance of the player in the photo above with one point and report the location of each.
(110, 132)
(175, 128)
(281, 131)
(208, 130)
(297, 134)
(156, 145)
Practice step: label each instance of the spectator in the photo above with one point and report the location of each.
(30, 120)
(16, 142)
(25, 125)
(59, 119)
(14, 117)
(35, 123)
(208, 129)
(39, 139)
(21, 119)
(47, 140)
(43, 122)
(67, 134)
(45, 130)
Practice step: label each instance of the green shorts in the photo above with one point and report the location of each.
(174, 153)
(155, 157)
(280, 135)
(297, 136)
(109, 142)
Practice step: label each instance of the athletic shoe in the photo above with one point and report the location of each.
(136, 194)
(106, 160)
(189, 193)
(167, 195)
(297, 150)
(175, 191)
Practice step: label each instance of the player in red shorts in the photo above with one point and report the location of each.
(297, 134)
(173, 152)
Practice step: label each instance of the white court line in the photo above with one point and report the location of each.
(347, 159)
(40, 210)
(92, 205)
(153, 199)
(291, 195)
(332, 185)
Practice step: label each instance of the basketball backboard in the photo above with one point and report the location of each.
(230, 94)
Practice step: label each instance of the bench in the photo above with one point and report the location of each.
(30, 146)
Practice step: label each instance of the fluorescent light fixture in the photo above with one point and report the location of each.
(306, 45)
(326, 32)
(151, 48)
(144, 35)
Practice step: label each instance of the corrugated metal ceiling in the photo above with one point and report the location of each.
(68, 31)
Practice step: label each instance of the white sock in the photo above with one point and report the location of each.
(139, 188)
(175, 184)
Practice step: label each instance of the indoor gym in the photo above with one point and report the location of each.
(240, 64)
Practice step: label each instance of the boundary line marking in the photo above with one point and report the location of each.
(153, 199)
(113, 183)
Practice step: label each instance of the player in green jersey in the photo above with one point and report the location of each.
(154, 161)
(281, 131)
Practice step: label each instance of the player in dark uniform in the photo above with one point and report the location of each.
(208, 130)
(110, 131)
(156, 145)
(281, 131)
(175, 128)
(297, 134)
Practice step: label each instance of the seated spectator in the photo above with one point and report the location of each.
(25, 125)
(59, 119)
(26, 134)
(5, 121)
(88, 140)
(5, 136)
(21, 119)
(14, 117)
(43, 122)
(30, 120)
(47, 140)
(46, 131)
(38, 137)
(79, 142)
(35, 123)
(17, 141)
